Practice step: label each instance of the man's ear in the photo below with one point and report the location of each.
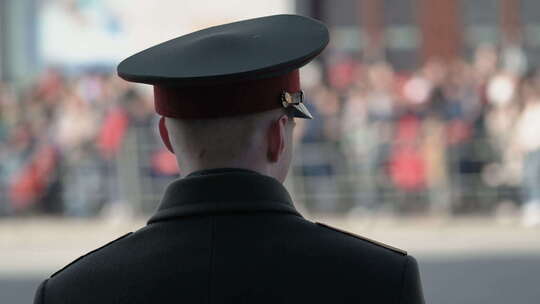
(276, 138)
(164, 133)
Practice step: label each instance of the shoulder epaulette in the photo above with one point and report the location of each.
(400, 251)
(82, 256)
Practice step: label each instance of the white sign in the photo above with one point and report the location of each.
(106, 31)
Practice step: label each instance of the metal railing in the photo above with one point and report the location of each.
(324, 178)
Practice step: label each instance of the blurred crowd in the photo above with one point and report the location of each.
(64, 139)
(455, 136)
(452, 136)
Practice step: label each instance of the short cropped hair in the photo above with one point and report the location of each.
(222, 138)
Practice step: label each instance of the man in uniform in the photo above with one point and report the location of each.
(227, 230)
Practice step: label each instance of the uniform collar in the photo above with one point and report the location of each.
(224, 190)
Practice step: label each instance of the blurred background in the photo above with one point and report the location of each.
(426, 133)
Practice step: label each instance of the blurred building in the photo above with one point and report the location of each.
(404, 32)
(76, 35)
(18, 39)
(408, 32)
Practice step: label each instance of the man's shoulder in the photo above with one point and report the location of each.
(83, 258)
(356, 238)
(319, 237)
(349, 257)
(336, 245)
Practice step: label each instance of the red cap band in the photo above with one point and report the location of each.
(199, 102)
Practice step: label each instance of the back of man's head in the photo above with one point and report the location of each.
(223, 91)
(261, 142)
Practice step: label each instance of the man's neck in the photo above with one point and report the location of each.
(220, 171)
(187, 170)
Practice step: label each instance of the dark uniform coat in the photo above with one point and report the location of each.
(233, 236)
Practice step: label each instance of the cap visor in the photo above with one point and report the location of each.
(301, 111)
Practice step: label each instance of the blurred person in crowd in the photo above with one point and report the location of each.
(33, 158)
(407, 164)
(359, 145)
(140, 143)
(319, 151)
(454, 160)
(124, 138)
(429, 149)
(381, 95)
(227, 230)
(446, 119)
(75, 131)
(15, 153)
(528, 140)
(501, 115)
(7, 104)
(366, 126)
(380, 102)
(465, 159)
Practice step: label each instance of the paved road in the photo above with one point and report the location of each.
(494, 280)
(482, 279)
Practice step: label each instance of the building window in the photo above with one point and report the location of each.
(480, 19)
(530, 20)
(402, 35)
